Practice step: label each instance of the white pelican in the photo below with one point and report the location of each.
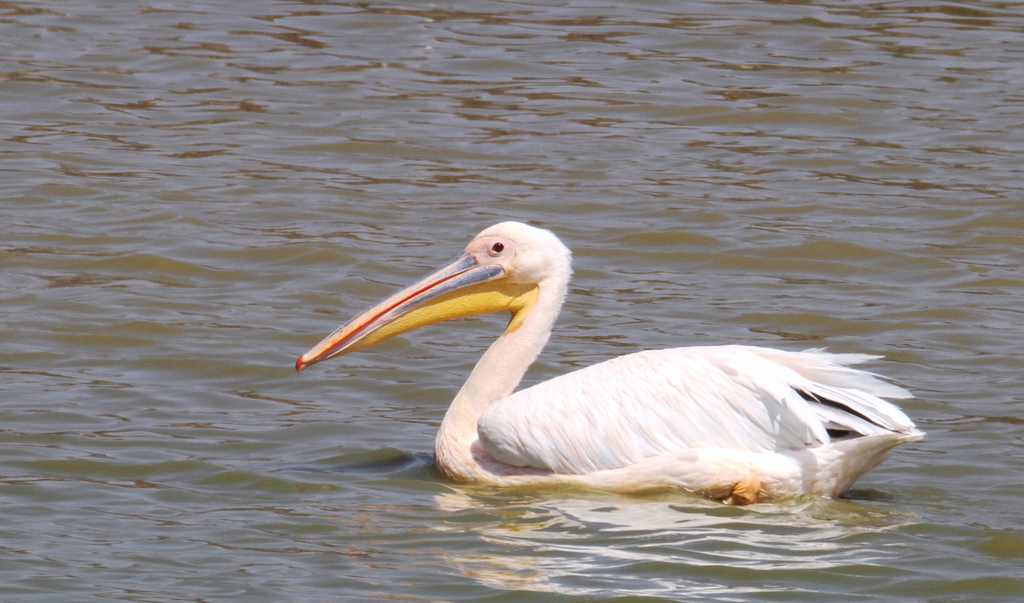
(735, 423)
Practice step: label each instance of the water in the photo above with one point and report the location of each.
(195, 193)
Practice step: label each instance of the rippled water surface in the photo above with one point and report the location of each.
(195, 193)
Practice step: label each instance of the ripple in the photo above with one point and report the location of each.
(194, 195)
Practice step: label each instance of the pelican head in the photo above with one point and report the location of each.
(503, 268)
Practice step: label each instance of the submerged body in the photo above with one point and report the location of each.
(735, 423)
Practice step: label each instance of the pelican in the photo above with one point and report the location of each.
(740, 424)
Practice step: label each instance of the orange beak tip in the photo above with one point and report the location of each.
(299, 365)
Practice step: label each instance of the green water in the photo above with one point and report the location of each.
(194, 194)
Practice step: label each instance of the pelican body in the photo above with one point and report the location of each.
(735, 423)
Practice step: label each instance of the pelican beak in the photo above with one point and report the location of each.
(463, 288)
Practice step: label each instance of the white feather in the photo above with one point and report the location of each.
(652, 403)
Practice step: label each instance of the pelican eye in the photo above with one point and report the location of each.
(497, 248)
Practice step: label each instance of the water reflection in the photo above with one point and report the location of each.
(604, 545)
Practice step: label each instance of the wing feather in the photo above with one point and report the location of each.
(653, 403)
